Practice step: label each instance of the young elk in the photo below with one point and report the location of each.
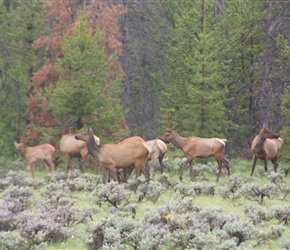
(196, 147)
(114, 156)
(266, 146)
(42, 152)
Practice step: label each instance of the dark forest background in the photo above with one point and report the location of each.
(213, 68)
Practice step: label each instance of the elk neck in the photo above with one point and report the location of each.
(260, 143)
(92, 146)
(178, 141)
(22, 152)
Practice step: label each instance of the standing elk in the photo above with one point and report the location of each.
(196, 147)
(42, 152)
(157, 151)
(266, 146)
(72, 148)
(114, 156)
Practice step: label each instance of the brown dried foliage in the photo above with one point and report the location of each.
(61, 15)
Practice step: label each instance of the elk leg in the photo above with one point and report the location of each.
(254, 165)
(146, 172)
(154, 164)
(220, 170)
(275, 163)
(183, 167)
(227, 165)
(105, 175)
(266, 165)
(30, 167)
(47, 166)
(86, 163)
(162, 166)
(68, 164)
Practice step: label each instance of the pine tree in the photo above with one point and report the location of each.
(196, 93)
(19, 25)
(84, 89)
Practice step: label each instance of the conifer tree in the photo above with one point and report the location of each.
(20, 24)
(84, 89)
(195, 96)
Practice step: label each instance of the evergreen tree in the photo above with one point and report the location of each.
(84, 89)
(20, 24)
(196, 93)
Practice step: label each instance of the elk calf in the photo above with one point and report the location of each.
(42, 152)
(266, 146)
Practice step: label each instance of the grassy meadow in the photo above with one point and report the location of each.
(84, 199)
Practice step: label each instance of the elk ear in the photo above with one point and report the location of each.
(90, 130)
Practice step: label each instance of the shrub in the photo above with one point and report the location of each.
(17, 198)
(255, 192)
(151, 191)
(256, 214)
(275, 178)
(133, 184)
(285, 243)
(281, 213)
(199, 169)
(164, 180)
(34, 183)
(112, 193)
(86, 182)
(229, 191)
(241, 231)
(36, 229)
(115, 233)
(14, 178)
(12, 241)
(185, 189)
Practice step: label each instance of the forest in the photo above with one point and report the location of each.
(212, 68)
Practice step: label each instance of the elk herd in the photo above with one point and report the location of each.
(119, 160)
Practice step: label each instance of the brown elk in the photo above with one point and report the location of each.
(42, 152)
(266, 146)
(114, 156)
(196, 147)
(72, 148)
(157, 150)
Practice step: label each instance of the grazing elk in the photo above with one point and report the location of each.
(114, 156)
(157, 151)
(42, 152)
(72, 148)
(196, 147)
(266, 146)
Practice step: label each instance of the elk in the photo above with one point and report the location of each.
(114, 156)
(157, 151)
(42, 152)
(266, 146)
(72, 148)
(196, 147)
